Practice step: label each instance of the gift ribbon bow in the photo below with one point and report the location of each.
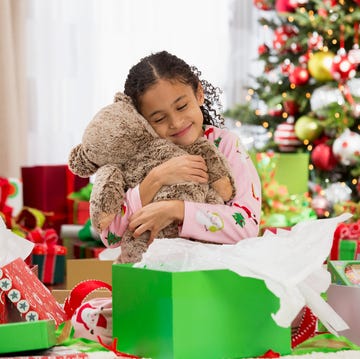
(83, 194)
(45, 241)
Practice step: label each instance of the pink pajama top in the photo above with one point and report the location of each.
(227, 223)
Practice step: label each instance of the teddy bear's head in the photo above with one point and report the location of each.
(114, 134)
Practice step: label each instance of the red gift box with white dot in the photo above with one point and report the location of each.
(28, 294)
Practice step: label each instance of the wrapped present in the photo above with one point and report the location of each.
(345, 272)
(195, 314)
(344, 294)
(281, 206)
(345, 301)
(27, 336)
(8, 310)
(290, 170)
(32, 299)
(15, 199)
(48, 255)
(5, 210)
(89, 244)
(78, 211)
(47, 187)
(87, 249)
(346, 242)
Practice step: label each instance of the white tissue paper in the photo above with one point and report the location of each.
(290, 262)
(12, 246)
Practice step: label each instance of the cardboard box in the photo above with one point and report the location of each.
(344, 272)
(61, 294)
(345, 301)
(78, 270)
(26, 336)
(194, 315)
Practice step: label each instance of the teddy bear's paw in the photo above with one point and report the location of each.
(79, 164)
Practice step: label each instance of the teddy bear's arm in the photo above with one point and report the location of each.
(220, 177)
(107, 196)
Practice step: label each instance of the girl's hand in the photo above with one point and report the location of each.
(156, 216)
(187, 168)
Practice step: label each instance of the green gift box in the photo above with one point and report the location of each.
(26, 336)
(194, 315)
(344, 272)
(290, 170)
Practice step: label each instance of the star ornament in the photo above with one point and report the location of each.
(23, 306)
(14, 295)
(5, 284)
(32, 316)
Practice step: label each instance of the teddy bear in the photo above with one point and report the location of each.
(120, 147)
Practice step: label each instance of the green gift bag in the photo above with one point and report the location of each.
(193, 315)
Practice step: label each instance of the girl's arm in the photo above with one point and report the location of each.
(111, 236)
(239, 218)
(178, 169)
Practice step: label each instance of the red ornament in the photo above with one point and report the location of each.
(285, 6)
(281, 35)
(332, 3)
(295, 48)
(285, 137)
(343, 66)
(263, 49)
(263, 4)
(323, 157)
(286, 67)
(291, 107)
(275, 112)
(299, 76)
(303, 59)
(315, 41)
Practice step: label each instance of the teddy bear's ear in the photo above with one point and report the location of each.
(79, 164)
(119, 96)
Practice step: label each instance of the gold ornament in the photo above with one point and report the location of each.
(319, 65)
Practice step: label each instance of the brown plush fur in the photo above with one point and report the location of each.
(121, 148)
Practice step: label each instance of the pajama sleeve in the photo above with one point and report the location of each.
(238, 219)
(111, 236)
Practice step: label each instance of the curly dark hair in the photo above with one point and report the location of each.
(163, 65)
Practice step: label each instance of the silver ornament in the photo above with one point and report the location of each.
(324, 96)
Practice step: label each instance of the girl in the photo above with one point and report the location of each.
(179, 107)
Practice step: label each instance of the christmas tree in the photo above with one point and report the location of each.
(308, 94)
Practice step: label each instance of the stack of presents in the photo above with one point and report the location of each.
(157, 314)
(49, 206)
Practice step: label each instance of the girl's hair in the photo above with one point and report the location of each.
(163, 65)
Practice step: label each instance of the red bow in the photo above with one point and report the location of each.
(45, 241)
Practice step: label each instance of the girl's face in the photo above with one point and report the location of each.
(173, 111)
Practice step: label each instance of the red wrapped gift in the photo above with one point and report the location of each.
(5, 210)
(31, 298)
(346, 232)
(79, 211)
(46, 187)
(48, 255)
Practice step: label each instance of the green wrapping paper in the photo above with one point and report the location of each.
(194, 315)
(26, 336)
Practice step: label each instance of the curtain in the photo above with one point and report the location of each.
(244, 38)
(13, 121)
(82, 50)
